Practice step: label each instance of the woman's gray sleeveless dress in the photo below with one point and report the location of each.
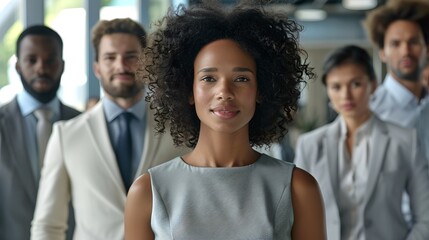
(201, 203)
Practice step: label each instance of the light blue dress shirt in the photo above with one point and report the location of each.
(137, 124)
(393, 102)
(28, 105)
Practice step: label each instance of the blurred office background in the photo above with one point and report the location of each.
(328, 24)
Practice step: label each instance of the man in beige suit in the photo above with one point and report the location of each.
(84, 159)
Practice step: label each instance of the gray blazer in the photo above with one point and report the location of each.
(396, 165)
(18, 188)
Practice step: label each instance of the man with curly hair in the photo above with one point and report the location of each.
(92, 159)
(400, 30)
(226, 80)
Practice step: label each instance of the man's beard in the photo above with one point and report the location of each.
(411, 77)
(43, 97)
(123, 91)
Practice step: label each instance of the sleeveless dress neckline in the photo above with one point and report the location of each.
(183, 162)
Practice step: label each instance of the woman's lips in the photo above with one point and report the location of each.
(347, 106)
(225, 112)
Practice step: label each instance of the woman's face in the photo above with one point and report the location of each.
(349, 90)
(225, 87)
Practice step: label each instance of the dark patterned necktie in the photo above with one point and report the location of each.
(123, 148)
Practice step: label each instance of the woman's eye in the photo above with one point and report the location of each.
(242, 79)
(356, 84)
(335, 87)
(207, 79)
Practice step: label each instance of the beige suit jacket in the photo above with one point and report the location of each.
(80, 165)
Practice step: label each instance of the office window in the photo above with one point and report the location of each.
(10, 27)
(67, 17)
(118, 9)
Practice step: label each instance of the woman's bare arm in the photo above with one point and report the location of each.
(309, 216)
(138, 210)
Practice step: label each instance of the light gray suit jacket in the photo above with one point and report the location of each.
(395, 165)
(18, 185)
(80, 164)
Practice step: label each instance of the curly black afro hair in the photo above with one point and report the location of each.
(167, 66)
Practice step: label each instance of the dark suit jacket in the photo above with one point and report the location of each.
(18, 188)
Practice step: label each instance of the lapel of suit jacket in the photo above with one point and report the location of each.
(67, 113)
(97, 127)
(12, 125)
(331, 150)
(378, 150)
(151, 144)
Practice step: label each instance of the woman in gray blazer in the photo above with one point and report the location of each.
(363, 164)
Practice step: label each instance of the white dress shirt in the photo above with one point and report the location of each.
(353, 176)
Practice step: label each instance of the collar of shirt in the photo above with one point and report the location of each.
(363, 131)
(112, 110)
(425, 97)
(28, 104)
(400, 93)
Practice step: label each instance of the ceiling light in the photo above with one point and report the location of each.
(359, 4)
(310, 14)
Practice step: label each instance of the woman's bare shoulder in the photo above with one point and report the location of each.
(142, 186)
(308, 207)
